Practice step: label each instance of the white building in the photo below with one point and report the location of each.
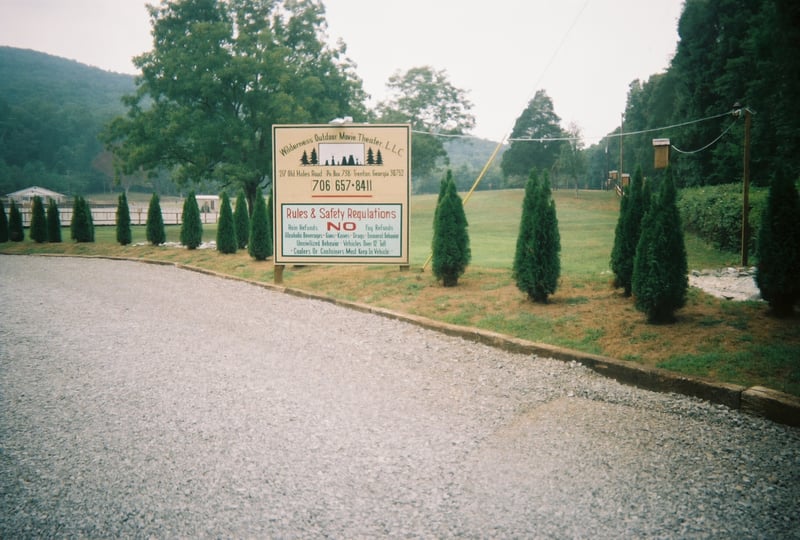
(25, 196)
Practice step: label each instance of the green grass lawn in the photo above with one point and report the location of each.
(586, 224)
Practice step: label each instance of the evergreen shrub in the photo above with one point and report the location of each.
(124, 235)
(191, 223)
(660, 281)
(778, 270)
(226, 228)
(156, 234)
(53, 222)
(451, 250)
(628, 230)
(537, 263)
(38, 227)
(81, 226)
(242, 219)
(16, 231)
(260, 244)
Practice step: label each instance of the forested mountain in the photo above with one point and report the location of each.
(468, 157)
(51, 113)
(730, 51)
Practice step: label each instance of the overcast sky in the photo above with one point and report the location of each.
(583, 53)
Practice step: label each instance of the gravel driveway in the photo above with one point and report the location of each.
(149, 401)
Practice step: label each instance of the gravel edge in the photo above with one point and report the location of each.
(757, 400)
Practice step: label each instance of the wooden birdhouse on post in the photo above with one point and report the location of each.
(661, 153)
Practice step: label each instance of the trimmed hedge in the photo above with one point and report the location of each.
(714, 213)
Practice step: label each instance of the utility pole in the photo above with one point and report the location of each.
(746, 187)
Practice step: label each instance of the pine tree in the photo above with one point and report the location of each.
(226, 229)
(16, 232)
(260, 245)
(660, 268)
(38, 230)
(779, 247)
(242, 219)
(3, 224)
(451, 251)
(156, 234)
(81, 226)
(626, 235)
(53, 222)
(124, 235)
(191, 225)
(537, 263)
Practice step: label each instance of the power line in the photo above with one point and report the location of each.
(505, 136)
(610, 135)
(626, 133)
(706, 146)
(639, 132)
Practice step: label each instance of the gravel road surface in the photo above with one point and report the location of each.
(148, 401)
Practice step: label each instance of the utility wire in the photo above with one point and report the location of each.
(505, 136)
(626, 133)
(727, 129)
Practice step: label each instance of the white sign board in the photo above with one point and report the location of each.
(341, 193)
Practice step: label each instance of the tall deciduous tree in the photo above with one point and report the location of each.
(191, 224)
(226, 228)
(425, 98)
(53, 222)
(538, 122)
(156, 234)
(124, 236)
(537, 261)
(38, 221)
(259, 245)
(660, 268)
(451, 251)
(220, 74)
(242, 219)
(779, 247)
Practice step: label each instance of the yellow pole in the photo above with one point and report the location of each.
(474, 186)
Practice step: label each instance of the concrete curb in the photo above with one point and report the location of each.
(757, 400)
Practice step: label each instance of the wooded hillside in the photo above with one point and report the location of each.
(51, 113)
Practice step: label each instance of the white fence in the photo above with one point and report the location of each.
(107, 215)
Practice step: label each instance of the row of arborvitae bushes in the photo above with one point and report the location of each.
(649, 254)
(537, 266)
(235, 230)
(648, 259)
(45, 225)
(643, 242)
(714, 213)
